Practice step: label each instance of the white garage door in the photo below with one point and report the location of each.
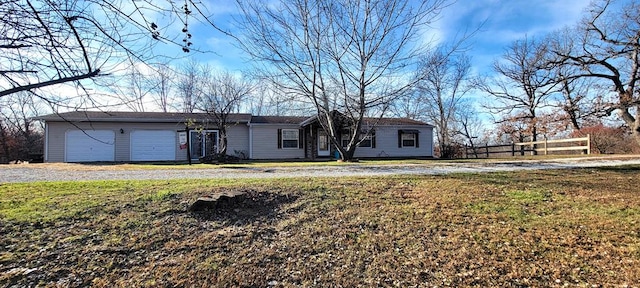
(153, 145)
(90, 145)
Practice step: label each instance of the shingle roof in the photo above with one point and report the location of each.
(172, 117)
(394, 121)
(277, 119)
(377, 121)
(110, 116)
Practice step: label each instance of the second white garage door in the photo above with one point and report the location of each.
(153, 145)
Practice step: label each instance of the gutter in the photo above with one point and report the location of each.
(250, 139)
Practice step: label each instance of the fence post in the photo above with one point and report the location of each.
(534, 146)
(545, 146)
(588, 144)
(487, 148)
(513, 149)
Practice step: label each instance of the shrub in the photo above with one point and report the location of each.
(609, 140)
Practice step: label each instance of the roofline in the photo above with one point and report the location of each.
(58, 118)
(130, 120)
(87, 119)
(309, 120)
(265, 124)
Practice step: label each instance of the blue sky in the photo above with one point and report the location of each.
(504, 22)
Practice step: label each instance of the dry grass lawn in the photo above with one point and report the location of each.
(522, 229)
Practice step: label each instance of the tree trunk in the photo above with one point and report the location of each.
(223, 142)
(632, 122)
(348, 156)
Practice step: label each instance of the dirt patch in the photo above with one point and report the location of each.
(240, 207)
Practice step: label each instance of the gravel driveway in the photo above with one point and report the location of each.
(66, 172)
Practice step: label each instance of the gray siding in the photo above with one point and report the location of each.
(238, 139)
(265, 143)
(387, 143)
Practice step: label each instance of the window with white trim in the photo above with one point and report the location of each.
(345, 137)
(408, 140)
(368, 142)
(290, 138)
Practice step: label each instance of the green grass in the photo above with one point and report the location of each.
(530, 228)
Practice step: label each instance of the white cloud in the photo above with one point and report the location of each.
(502, 22)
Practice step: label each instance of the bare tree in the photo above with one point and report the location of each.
(575, 94)
(346, 58)
(5, 142)
(192, 74)
(268, 100)
(132, 89)
(442, 86)
(20, 135)
(470, 127)
(410, 105)
(52, 42)
(223, 94)
(606, 46)
(162, 85)
(522, 86)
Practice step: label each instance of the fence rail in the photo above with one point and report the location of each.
(533, 147)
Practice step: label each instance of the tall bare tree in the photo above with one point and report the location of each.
(132, 90)
(443, 85)
(410, 105)
(192, 75)
(606, 46)
(522, 85)
(268, 100)
(223, 94)
(350, 57)
(20, 135)
(577, 102)
(470, 129)
(162, 86)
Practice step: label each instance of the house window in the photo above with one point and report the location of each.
(345, 137)
(289, 139)
(408, 138)
(368, 141)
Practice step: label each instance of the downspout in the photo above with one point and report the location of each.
(46, 142)
(431, 142)
(250, 140)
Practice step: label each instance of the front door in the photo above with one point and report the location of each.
(203, 143)
(323, 144)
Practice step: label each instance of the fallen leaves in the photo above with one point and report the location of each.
(482, 230)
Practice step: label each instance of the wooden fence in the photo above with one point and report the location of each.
(543, 147)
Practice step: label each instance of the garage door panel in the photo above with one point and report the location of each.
(153, 145)
(89, 145)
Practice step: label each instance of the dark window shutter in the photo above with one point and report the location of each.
(373, 139)
(279, 138)
(417, 137)
(399, 138)
(300, 138)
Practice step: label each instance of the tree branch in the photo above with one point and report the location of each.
(49, 83)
